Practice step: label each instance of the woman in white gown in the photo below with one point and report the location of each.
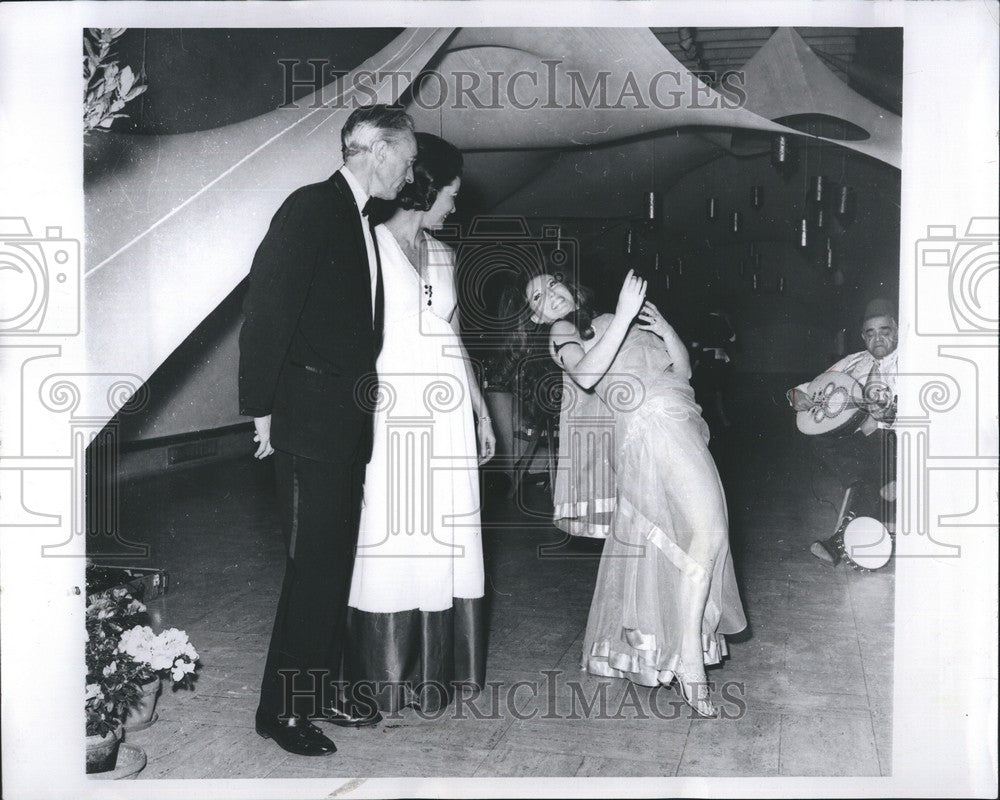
(416, 619)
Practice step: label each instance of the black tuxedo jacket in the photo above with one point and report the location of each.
(308, 343)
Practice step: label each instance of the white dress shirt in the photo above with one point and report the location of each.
(361, 197)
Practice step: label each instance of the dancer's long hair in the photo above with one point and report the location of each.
(526, 365)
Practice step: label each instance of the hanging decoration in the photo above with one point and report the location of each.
(757, 196)
(737, 220)
(755, 281)
(844, 205)
(829, 262)
(628, 241)
(783, 155)
(781, 284)
(710, 209)
(803, 233)
(820, 218)
(818, 190)
(680, 265)
(653, 207)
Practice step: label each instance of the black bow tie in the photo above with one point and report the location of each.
(369, 207)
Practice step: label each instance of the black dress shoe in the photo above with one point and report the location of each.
(296, 736)
(825, 551)
(350, 716)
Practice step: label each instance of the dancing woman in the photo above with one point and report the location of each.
(666, 592)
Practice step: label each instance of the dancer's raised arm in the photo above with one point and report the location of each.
(586, 368)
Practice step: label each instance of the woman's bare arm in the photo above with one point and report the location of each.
(586, 368)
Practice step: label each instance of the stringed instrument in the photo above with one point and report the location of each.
(840, 405)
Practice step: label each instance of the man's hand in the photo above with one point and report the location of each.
(263, 436)
(799, 400)
(884, 409)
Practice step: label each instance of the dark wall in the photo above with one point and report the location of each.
(792, 331)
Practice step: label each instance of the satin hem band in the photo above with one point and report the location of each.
(416, 658)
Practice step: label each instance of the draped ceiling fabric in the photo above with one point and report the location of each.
(174, 229)
(785, 78)
(587, 52)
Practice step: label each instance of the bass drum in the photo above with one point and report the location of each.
(866, 544)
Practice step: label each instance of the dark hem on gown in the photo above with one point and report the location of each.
(416, 658)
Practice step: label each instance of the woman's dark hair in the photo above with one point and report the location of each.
(438, 164)
(526, 365)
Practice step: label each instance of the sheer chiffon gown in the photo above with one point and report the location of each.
(635, 469)
(416, 617)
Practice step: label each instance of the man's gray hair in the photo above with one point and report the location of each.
(368, 124)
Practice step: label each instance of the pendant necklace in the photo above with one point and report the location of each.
(428, 289)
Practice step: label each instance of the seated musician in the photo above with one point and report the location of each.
(863, 459)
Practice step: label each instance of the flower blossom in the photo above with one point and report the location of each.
(180, 669)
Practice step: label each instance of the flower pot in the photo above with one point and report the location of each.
(102, 751)
(143, 715)
(131, 761)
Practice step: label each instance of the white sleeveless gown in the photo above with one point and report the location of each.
(416, 612)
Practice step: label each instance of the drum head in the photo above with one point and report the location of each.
(867, 544)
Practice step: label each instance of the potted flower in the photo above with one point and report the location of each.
(168, 654)
(112, 686)
(125, 664)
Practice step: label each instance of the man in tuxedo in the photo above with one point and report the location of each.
(863, 460)
(311, 333)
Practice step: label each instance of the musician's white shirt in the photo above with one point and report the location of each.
(860, 366)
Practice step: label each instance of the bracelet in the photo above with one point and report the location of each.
(482, 419)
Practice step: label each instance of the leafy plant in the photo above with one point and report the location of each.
(122, 655)
(108, 86)
(113, 678)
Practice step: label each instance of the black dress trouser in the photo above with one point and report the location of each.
(865, 462)
(320, 508)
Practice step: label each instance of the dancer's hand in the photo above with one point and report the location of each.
(262, 426)
(631, 297)
(651, 319)
(487, 440)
